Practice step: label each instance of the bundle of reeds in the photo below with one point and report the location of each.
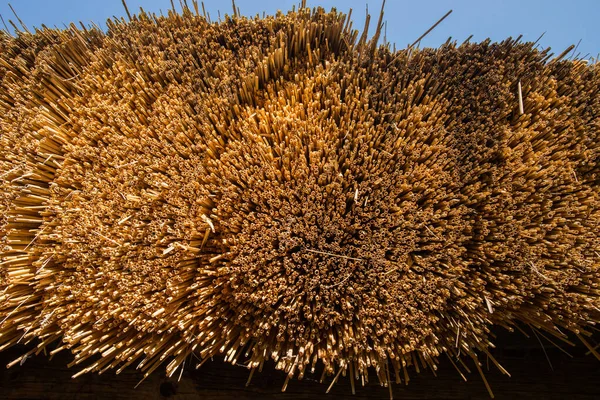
(279, 189)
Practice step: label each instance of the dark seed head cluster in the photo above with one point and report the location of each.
(278, 189)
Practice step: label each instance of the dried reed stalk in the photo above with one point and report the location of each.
(274, 189)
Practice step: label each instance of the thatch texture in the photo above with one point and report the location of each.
(276, 188)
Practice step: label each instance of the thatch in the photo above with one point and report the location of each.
(278, 189)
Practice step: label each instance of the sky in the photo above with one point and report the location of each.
(564, 22)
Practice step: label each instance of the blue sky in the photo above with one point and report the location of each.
(565, 22)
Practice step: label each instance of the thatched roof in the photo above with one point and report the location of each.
(276, 188)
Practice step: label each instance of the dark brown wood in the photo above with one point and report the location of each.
(532, 378)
